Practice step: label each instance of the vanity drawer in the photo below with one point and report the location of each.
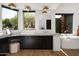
(37, 42)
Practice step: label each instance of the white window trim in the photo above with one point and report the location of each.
(31, 28)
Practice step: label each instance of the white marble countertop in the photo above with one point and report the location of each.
(30, 33)
(40, 33)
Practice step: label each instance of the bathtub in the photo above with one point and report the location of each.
(69, 41)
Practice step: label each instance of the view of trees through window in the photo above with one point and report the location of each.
(9, 19)
(29, 20)
(64, 23)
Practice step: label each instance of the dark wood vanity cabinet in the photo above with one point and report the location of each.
(37, 42)
(14, 39)
(27, 42)
(4, 45)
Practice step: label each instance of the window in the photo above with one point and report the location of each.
(64, 23)
(9, 18)
(29, 20)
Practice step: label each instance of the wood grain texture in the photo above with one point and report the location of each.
(71, 52)
(38, 53)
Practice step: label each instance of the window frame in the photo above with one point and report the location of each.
(32, 11)
(3, 6)
(65, 14)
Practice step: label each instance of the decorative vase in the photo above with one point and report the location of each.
(78, 31)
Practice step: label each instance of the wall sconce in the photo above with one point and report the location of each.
(12, 5)
(45, 9)
(27, 8)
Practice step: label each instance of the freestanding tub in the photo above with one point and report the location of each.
(69, 42)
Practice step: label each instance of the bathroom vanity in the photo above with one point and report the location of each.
(32, 41)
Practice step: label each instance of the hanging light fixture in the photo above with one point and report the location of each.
(12, 5)
(27, 8)
(45, 9)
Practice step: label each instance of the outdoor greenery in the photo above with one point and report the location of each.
(10, 19)
(29, 20)
(10, 23)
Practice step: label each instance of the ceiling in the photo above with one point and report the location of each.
(35, 6)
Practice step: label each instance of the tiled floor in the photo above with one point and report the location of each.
(38, 53)
(71, 52)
